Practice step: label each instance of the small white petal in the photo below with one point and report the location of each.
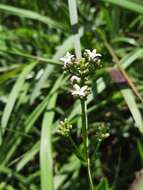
(94, 51)
(80, 91)
(76, 87)
(88, 51)
(98, 55)
(92, 54)
(67, 59)
(75, 78)
(84, 88)
(74, 93)
(62, 59)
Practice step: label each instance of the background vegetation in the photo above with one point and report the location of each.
(33, 93)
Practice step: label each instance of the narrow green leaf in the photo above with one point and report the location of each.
(127, 93)
(46, 147)
(27, 157)
(58, 180)
(29, 123)
(103, 185)
(30, 15)
(131, 57)
(14, 94)
(140, 148)
(40, 108)
(8, 171)
(74, 23)
(128, 4)
(32, 57)
(129, 98)
(10, 74)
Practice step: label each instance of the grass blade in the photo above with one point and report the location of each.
(131, 57)
(127, 93)
(28, 124)
(74, 25)
(27, 157)
(133, 6)
(14, 94)
(129, 98)
(30, 15)
(46, 147)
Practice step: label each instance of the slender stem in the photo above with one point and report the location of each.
(85, 140)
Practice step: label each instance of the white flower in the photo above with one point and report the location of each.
(67, 59)
(80, 91)
(74, 78)
(92, 54)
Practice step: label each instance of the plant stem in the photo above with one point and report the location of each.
(85, 140)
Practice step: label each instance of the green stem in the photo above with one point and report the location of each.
(85, 140)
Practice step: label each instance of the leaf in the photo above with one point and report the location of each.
(40, 108)
(127, 4)
(10, 74)
(27, 157)
(131, 57)
(30, 15)
(14, 95)
(127, 93)
(140, 148)
(7, 171)
(103, 185)
(30, 120)
(33, 57)
(58, 180)
(46, 162)
(129, 98)
(74, 23)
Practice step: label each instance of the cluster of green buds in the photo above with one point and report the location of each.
(79, 70)
(102, 132)
(64, 128)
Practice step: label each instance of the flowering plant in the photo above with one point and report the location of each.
(79, 71)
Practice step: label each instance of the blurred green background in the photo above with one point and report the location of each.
(33, 36)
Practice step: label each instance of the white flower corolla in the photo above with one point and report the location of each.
(93, 56)
(67, 59)
(74, 78)
(80, 92)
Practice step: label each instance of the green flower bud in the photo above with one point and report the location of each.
(64, 128)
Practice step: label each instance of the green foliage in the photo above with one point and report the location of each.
(33, 95)
(46, 142)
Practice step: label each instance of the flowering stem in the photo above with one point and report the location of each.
(85, 140)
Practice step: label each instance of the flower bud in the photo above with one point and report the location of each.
(64, 128)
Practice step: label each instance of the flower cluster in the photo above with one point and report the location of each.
(102, 132)
(64, 128)
(79, 70)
